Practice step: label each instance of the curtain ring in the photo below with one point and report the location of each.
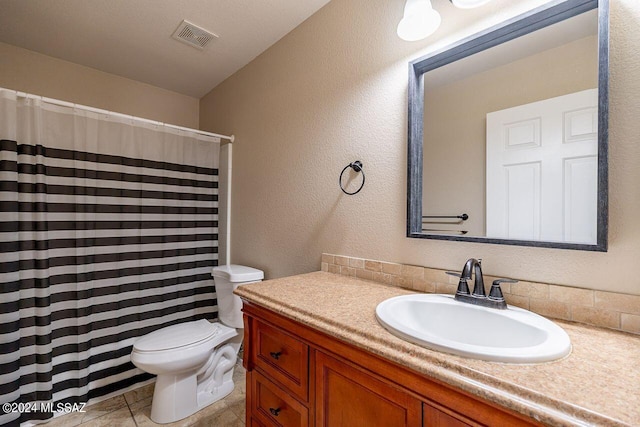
(356, 166)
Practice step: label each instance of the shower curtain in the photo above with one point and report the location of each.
(108, 231)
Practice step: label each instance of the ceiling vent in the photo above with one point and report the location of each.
(193, 35)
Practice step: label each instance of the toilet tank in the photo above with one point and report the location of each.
(227, 278)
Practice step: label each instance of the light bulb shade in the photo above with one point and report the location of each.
(468, 4)
(419, 20)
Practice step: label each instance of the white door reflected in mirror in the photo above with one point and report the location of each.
(542, 169)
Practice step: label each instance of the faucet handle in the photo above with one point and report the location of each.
(463, 287)
(495, 298)
(496, 292)
(498, 281)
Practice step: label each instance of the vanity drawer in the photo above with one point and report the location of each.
(283, 358)
(275, 407)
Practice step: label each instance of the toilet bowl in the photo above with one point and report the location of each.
(194, 361)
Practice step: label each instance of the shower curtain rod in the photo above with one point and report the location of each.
(231, 138)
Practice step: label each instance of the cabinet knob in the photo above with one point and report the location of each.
(275, 355)
(274, 411)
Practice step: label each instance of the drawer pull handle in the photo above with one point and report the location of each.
(274, 411)
(275, 355)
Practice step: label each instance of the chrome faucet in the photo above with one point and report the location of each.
(478, 296)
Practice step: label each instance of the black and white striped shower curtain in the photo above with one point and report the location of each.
(108, 231)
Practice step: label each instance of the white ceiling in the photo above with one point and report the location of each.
(132, 38)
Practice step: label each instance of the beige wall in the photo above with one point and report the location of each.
(455, 124)
(31, 72)
(335, 90)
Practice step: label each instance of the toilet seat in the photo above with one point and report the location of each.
(184, 336)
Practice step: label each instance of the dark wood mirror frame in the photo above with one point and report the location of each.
(531, 21)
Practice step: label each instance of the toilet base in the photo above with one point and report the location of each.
(205, 399)
(178, 396)
(170, 401)
(215, 379)
(174, 398)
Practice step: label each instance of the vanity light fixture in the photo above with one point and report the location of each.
(468, 4)
(420, 20)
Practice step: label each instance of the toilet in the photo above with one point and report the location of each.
(194, 361)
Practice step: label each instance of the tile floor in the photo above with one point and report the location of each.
(133, 408)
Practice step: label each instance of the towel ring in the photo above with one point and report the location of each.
(356, 166)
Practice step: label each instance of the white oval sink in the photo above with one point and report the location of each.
(441, 323)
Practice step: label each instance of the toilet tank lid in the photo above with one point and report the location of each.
(175, 336)
(237, 273)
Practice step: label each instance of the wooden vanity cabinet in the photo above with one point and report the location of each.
(299, 376)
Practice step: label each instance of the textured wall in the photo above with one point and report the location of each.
(32, 72)
(335, 90)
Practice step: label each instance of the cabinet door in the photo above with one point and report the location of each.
(435, 416)
(347, 396)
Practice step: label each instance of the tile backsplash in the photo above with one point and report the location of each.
(605, 309)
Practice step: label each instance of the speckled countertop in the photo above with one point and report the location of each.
(597, 384)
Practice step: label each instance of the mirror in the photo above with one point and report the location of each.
(508, 133)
